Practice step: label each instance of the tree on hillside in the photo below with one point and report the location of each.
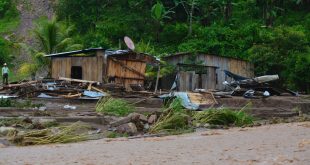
(51, 37)
(159, 13)
(4, 51)
(270, 10)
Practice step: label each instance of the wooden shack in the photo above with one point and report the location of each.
(214, 65)
(122, 67)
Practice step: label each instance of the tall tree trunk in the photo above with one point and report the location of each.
(228, 10)
(191, 14)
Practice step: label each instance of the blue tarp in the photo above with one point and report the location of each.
(186, 103)
(93, 94)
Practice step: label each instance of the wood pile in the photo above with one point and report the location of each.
(55, 88)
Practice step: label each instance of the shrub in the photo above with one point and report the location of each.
(5, 102)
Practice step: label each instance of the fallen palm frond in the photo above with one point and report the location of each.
(225, 117)
(72, 133)
(173, 118)
(112, 106)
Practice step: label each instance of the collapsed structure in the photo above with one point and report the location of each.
(204, 71)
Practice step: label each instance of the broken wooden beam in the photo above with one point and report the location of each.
(77, 80)
(21, 84)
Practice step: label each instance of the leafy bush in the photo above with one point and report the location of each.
(283, 51)
(5, 102)
(112, 106)
(4, 6)
(4, 51)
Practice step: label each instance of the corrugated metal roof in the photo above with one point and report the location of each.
(116, 52)
(112, 53)
(66, 54)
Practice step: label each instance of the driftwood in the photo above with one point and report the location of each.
(96, 89)
(21, 84)
(71, 96)
(77, 80)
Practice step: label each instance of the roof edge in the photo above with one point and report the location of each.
(201, 53)
(74, 52)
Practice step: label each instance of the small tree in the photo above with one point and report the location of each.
(159, 13)
(51, 37)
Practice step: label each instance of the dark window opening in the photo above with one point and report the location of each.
(200, 81)
(76, 72)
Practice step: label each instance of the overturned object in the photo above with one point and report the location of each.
(240, 85)
(254, 81)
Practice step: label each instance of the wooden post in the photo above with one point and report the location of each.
(157, 79)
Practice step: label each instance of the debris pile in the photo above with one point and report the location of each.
(55, 88)
(255, 88)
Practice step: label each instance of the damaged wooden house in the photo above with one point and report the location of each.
(203, 71)
(124, 67)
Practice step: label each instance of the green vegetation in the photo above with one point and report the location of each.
(225, 117)
(9, 21)
(13, 121)
(5, 102)
(173, 119)
(8, 16)
(112, 106)
(18, 104)
(116, 135)
(52, 37)
(273, 34)
(26, 123)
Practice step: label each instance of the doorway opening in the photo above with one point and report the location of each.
(76, 72)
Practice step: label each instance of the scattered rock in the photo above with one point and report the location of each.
(43, 121)
(4, 130)
(42, 108)
(121, 121)
(133, 117)
(2, 145)
(210, 133)
(143, 118)
(152, 119)
(129, 128)
(207, 125)
(146, 126)
(197, 125)
(27, 120)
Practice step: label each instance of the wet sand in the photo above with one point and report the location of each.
(265, 145)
